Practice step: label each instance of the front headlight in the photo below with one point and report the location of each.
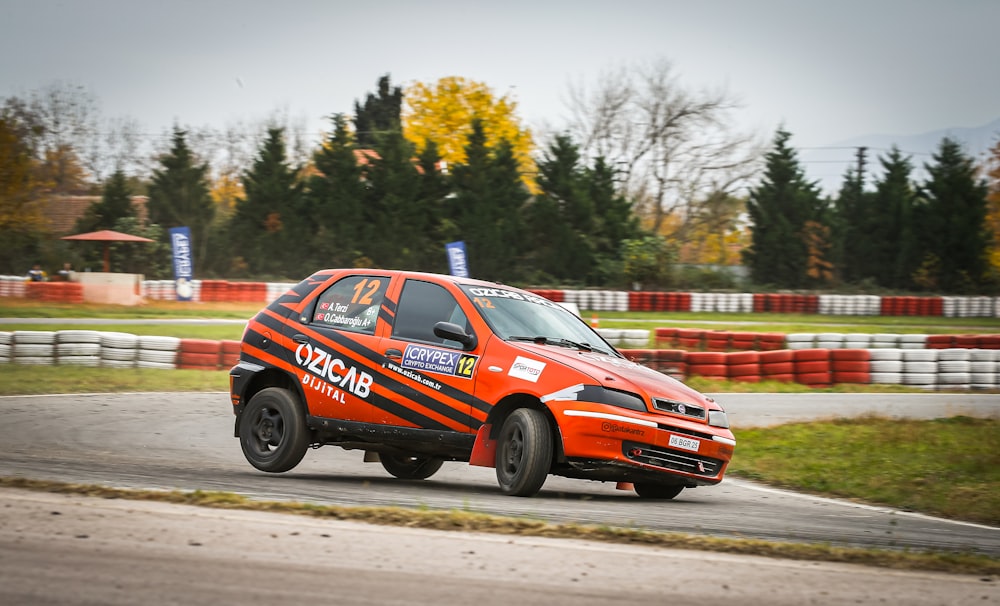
(718, 418)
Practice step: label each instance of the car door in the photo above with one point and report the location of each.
(336, 347)
(436, 376)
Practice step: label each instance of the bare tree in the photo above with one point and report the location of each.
(675, 149)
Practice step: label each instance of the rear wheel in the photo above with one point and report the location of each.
(524, 453)
(410, 467)
(273, 431)
(653, 490)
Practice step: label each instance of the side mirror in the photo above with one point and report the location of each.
(454, 332)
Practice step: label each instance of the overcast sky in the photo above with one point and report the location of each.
(828, 70)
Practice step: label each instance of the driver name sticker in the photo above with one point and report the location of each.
(527, 369)
(442, 361)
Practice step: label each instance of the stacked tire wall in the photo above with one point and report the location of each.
(611, 300)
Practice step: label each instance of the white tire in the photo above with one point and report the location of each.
(34, 336)
(159, 343)
(28, 350)
(886, 354)
(78, 349)
(887, 378)
(118, 354)
(92, 361)
(883, 366)
(78, 336)
(157, 356)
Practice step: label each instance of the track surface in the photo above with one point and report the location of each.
(184, 441)
(73, 550)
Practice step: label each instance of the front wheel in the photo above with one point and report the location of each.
(524, 453)
(410, 467)
(273, 431)
(652, 490)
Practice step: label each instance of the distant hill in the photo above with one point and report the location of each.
(828, 164)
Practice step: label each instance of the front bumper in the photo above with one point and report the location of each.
(609, 438)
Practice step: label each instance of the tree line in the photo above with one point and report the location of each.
(643, 177)
(931, 236)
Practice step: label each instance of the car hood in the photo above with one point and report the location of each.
(621, 374)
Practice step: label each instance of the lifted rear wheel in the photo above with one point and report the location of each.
(524, 453)
(410, 467)
(273, 431)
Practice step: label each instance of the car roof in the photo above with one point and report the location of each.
(419, 275)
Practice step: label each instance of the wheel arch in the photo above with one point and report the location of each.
(503, 409)
(269, 377)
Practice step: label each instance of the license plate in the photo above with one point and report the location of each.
(685, 443)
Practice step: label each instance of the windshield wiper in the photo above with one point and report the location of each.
(555, 341)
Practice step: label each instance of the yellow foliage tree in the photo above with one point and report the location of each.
(225, 191)
(993, 205)
(443, 112)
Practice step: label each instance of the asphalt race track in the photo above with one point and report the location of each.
(184, 442)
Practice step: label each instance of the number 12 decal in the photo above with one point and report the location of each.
(366, 298)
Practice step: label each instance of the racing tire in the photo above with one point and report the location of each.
(273, 431)
(524, 453)
(410, 467)
(654, 490)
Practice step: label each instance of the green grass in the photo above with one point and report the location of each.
(19, 379)
(945, 467)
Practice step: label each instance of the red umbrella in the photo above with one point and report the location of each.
(107, 236)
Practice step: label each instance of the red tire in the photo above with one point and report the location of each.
(815, 366)
(778, 368)
(710, 371)
(200, 346)
(810, 355)
(743, 357)
(839, 366)
(780, 355)
(862, 378)
(743, 370)
(814, 379)
(850, 355)
(706, 357)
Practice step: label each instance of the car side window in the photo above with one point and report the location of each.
(352, 304)
(421, 306)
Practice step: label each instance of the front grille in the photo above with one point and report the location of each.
(679, 408)
(671, 459)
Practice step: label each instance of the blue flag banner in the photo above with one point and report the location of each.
(180, 241)
(456, 259)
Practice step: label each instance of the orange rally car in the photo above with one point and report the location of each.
(416, 369)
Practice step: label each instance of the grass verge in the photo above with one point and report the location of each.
(20, 379)
(957, 563)
(946, 467)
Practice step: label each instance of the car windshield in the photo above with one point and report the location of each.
(521, 316)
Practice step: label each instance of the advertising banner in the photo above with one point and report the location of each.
(180, 241)
(456, 259)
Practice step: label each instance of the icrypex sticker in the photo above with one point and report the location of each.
(527, 369)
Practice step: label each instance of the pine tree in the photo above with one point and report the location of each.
(433, 190)
(115, 204)
(487, 208)
(268, 221)
(394, 226)
(379, 114)
(850, 224)
(561, 217)
(779, 209)
(334, 202)
(954, 224)
(892, 235)
(179, 196)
